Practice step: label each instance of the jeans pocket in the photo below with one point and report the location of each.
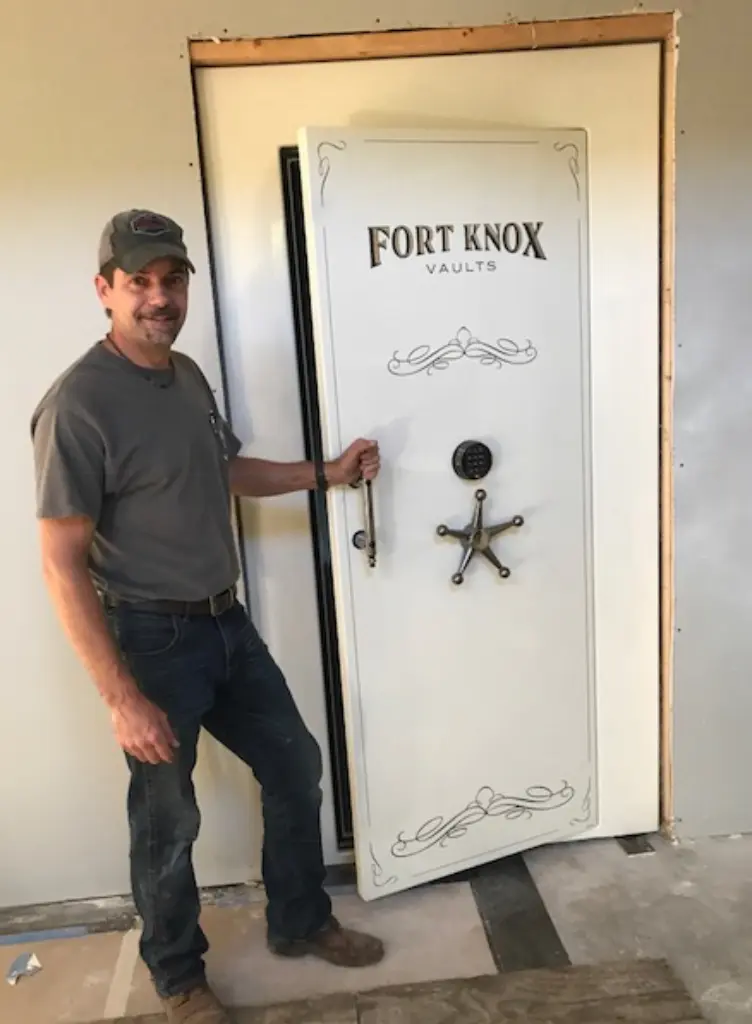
(146, 634)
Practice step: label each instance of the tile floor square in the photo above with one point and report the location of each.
(72, 986)
(432, 934)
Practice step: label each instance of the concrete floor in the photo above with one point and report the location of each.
(689, 904)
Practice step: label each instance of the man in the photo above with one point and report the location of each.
(135, 469)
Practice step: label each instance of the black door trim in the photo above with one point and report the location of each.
(319, 518)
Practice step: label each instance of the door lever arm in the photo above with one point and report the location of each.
(370, 524)
(366, 539)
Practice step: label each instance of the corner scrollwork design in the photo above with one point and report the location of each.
(573, 161)
(325, 163)
(380, 879)
(583, 818)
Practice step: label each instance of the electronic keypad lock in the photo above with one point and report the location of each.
(472, 460)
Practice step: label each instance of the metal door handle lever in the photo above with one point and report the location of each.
(366, 539)
(477, 537)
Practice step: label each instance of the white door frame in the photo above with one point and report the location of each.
(634, 28)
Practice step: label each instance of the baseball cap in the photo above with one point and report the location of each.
(133, 238)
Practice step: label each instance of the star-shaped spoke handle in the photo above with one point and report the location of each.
(477, 538)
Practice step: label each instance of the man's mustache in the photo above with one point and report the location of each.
(164, 313)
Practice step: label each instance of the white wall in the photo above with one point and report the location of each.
(96, 114)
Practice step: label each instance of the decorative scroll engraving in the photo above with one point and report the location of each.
(325, 164)
(464, 345)
(377, 872)
(584, 816)
(487, 804)
(574, 161)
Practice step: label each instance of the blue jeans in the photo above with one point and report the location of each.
(217, 673)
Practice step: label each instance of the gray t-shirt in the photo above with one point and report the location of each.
(145, 454)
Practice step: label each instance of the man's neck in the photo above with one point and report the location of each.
(150, 357)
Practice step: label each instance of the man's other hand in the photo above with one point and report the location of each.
(142, 730)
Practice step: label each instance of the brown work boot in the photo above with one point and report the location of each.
(337, 945)
(198, 1006)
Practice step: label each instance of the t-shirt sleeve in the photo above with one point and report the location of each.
(69, 464)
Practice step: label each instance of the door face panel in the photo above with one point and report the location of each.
(449, 288)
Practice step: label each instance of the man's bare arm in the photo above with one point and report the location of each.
(65, 549)
(260, 478)
(141, 728)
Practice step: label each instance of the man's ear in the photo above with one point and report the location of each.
(104, 289)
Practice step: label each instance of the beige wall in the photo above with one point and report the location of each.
(96, 114)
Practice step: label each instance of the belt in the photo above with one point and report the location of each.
(214, 606)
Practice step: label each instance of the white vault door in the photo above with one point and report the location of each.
(449, 290)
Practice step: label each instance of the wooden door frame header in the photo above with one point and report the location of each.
(538, 35)
(434, 42)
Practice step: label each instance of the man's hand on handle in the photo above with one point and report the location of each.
(360, 459)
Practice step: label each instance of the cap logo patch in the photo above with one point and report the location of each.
(149, 224)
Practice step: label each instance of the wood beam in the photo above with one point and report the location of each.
(630, 28)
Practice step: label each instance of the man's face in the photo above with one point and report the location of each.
(148, 308)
